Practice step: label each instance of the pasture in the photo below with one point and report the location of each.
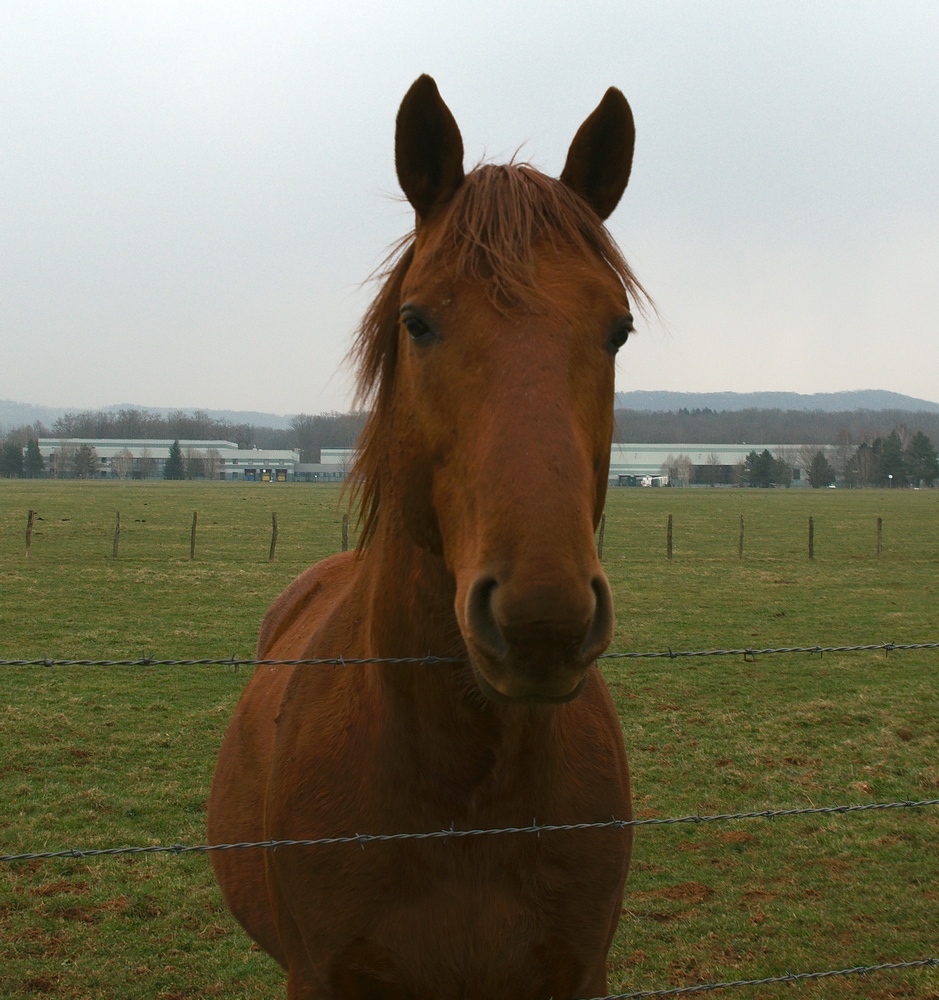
(105, 756)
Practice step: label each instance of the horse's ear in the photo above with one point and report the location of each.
(428, 148)
(601, 155)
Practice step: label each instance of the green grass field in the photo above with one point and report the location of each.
(104, 756)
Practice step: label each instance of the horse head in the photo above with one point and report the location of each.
(490, 352)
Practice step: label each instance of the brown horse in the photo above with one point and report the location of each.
(488, 362)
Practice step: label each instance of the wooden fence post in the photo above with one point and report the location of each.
(740, 542)
(880, 535)
(668, 538)
(117, 535)
(29, 531)
(192, 535)
(345, 532)
(811, 538)
(600, 537)
(270, 558)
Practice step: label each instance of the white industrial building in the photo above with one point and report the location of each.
(712, 463)
(145, 459)
(630, 464)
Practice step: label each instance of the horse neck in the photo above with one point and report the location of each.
(409, 595)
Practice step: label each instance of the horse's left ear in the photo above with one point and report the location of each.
(428, 148)
(601, 155)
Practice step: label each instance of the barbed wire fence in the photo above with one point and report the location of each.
(453, 834)
(535, 828)
(748, 653)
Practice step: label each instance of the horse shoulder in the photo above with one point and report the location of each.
(242, 773)
(286, 634)
(291, 621)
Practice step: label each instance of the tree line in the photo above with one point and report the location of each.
(899, 459)
(20, 457)
(762, 427)
(859, 448)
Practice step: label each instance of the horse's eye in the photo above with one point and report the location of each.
(419, 330)
(619, 333)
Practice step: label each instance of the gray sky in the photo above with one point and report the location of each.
(193, 193)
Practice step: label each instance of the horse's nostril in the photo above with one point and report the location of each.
(601, 626)
(482, 621)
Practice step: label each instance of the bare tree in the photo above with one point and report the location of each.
(712, 469)
(122, 464)
(866, 462)
(212, 463)
(61, 460)
(904, 434)
(195, 464)
(680, 470)
(145, 464)
(842, 454)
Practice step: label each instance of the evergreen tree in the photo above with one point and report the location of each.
(11, 460)
(85, 462)
(33, 465)
(921, 460)
(762, 469)
(820, 471)
(862, 469)
(174, 468)
(891, 467)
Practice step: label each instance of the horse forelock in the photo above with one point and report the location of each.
(488, 233)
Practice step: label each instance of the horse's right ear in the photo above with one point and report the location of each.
(428, 149)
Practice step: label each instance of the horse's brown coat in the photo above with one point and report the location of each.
(488, 363)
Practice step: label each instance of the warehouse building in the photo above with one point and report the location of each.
(145, 459)
(630, 464)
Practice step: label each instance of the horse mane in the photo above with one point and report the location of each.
(488, 233)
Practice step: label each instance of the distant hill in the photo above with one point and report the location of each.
(826, 402)
(17, 414)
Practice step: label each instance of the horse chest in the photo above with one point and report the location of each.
(350, 760)
(473, 919)
(429, 916)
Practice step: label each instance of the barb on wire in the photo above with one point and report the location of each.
(449, 834)
(789, 977)
(747, 653)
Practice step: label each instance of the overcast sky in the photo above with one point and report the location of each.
(193, 193)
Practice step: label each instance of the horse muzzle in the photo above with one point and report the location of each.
(535, 643)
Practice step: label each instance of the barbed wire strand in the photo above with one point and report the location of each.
(452, 834)
(789, 977)
(747, 653)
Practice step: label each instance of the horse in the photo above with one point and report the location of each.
(487, 360)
